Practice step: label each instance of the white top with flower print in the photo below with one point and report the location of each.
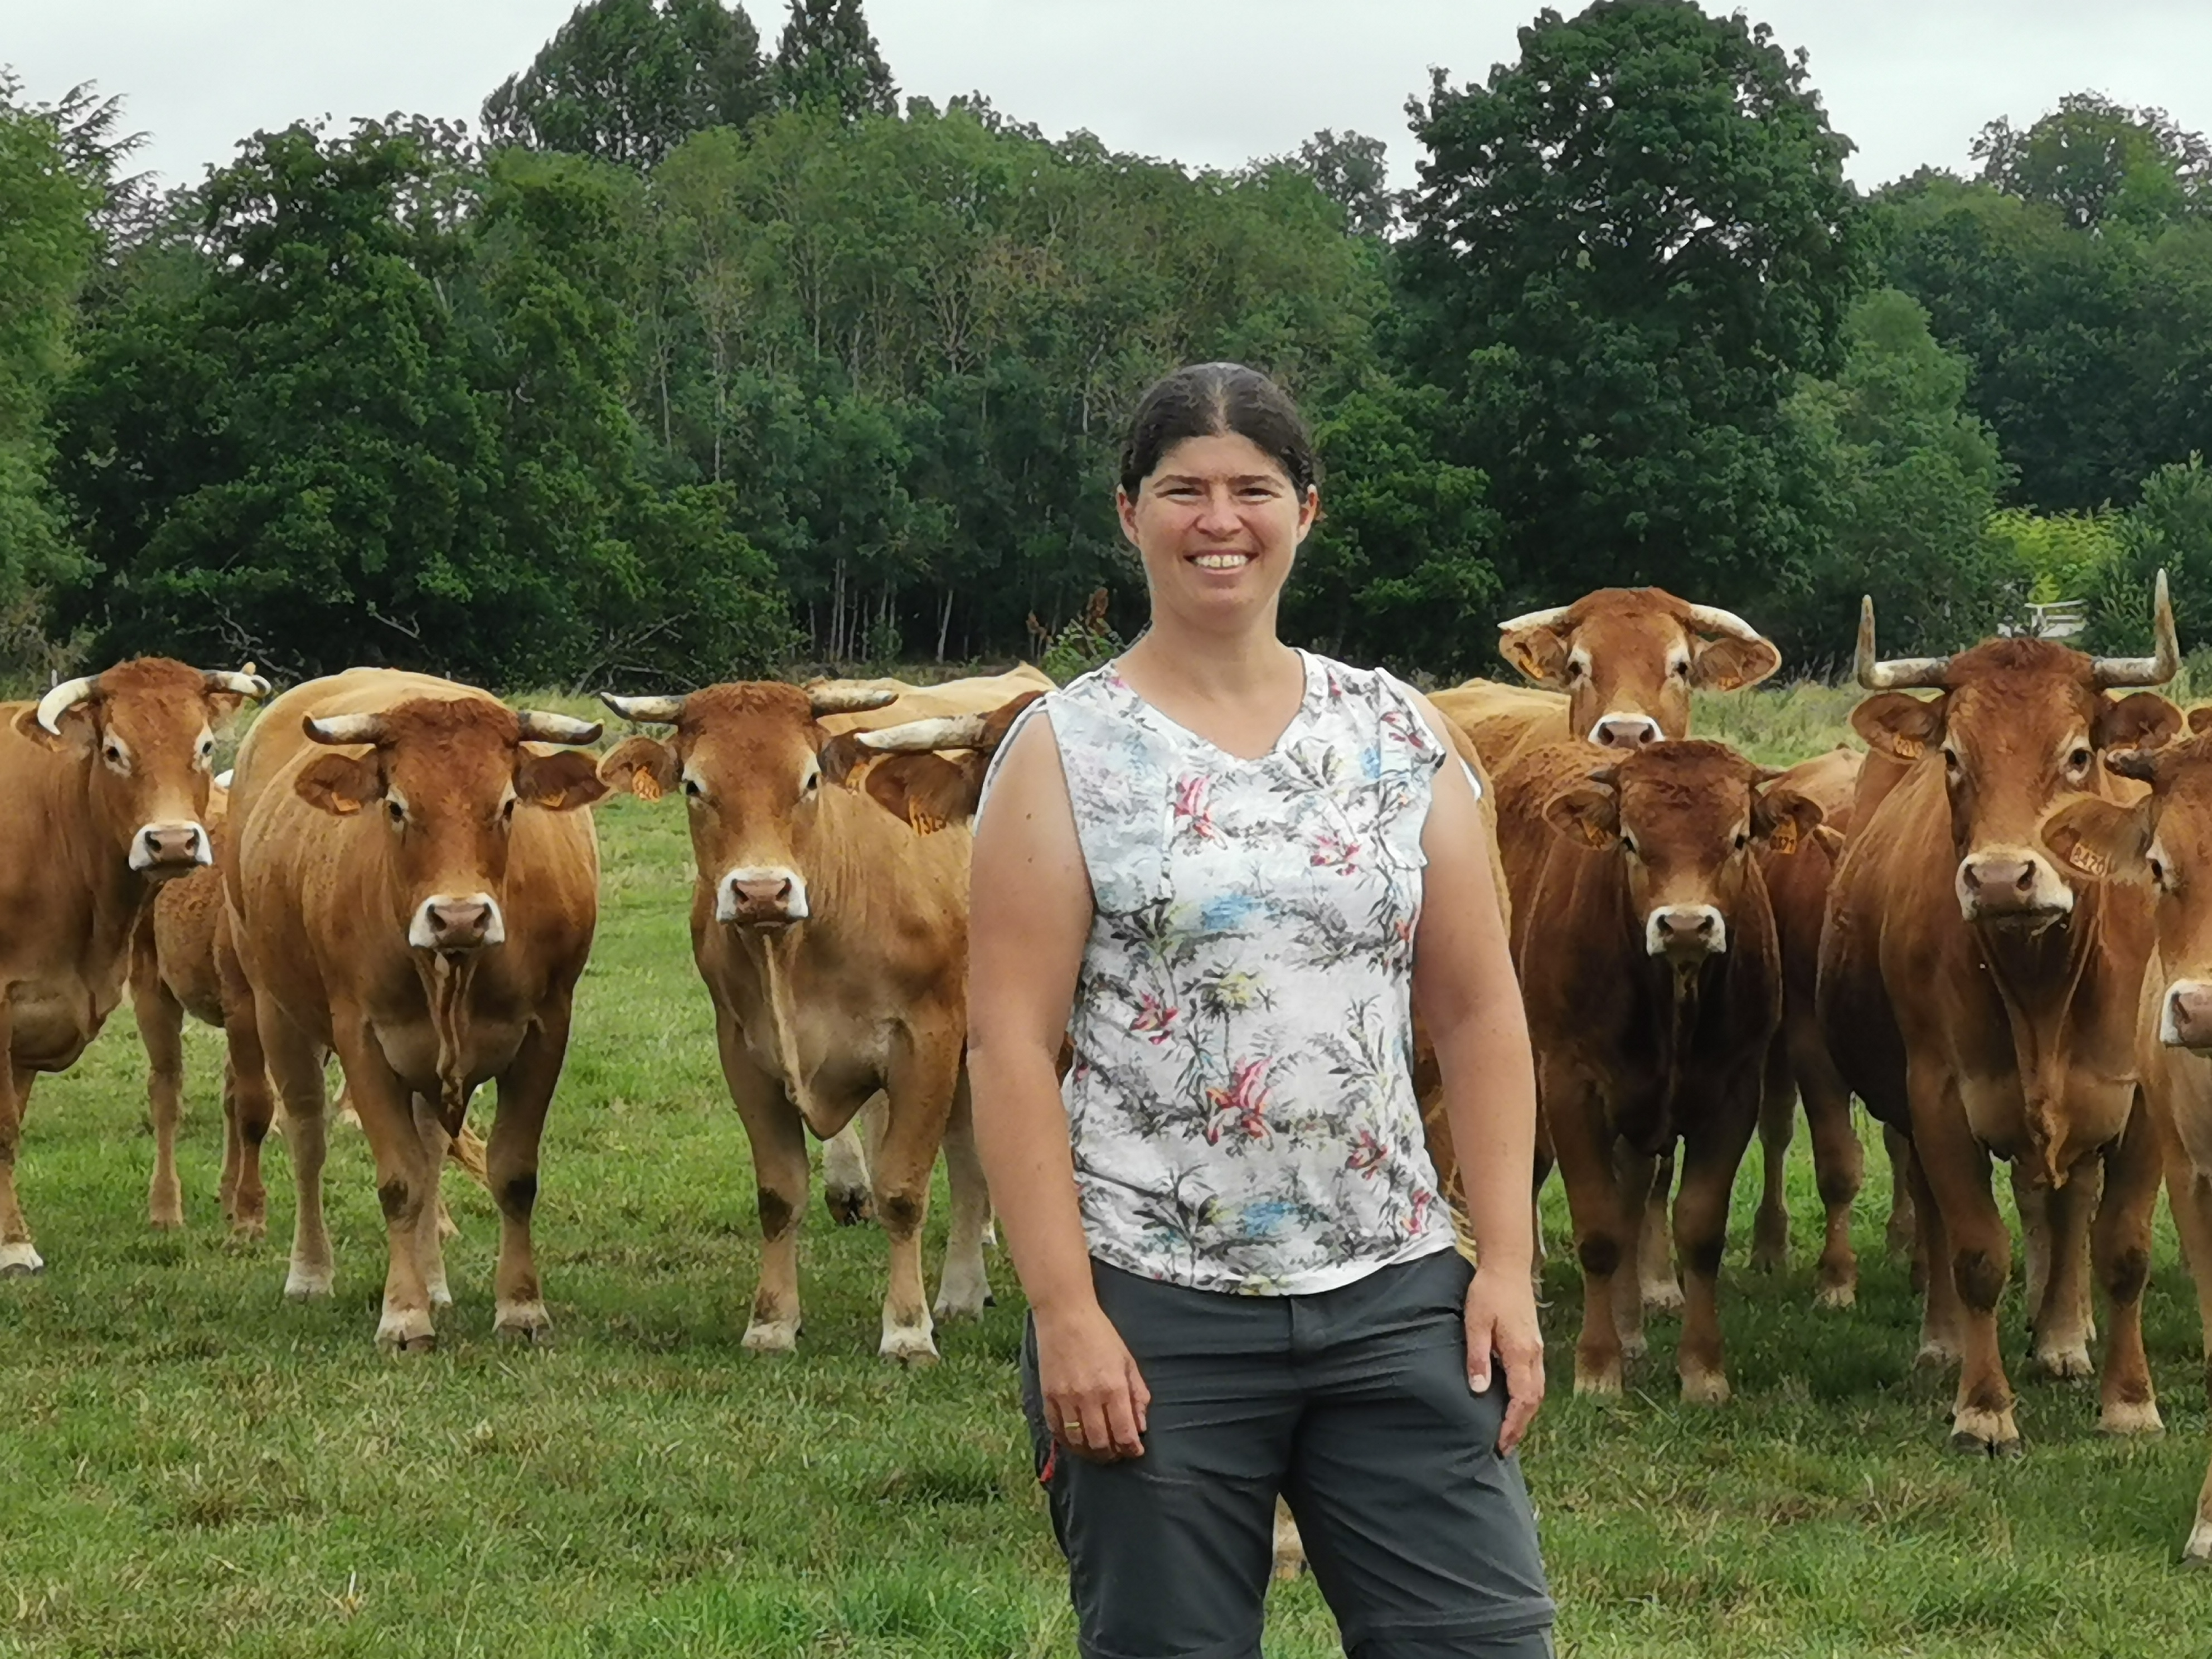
(1241, 1104)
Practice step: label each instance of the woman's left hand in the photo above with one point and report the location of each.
(1501, 1327)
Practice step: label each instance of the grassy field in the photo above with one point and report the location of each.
(189, 1465)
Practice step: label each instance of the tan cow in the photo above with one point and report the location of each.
(833, 941)
(2164, 843)
(1654, 988)
(1981, 998)
(103, 784)
(413, 888)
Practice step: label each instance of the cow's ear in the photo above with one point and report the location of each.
(340, 785)
(1899, 724)
(1000, 721)
(929, 792)
(2101, 839)
(2200, 720)
(78, 733)
(644, 766)
(559, 782)
(1784, 819)
(1586, 812)
(841, 757)
(1538, 652)
(2141, 720)
(1727, 664)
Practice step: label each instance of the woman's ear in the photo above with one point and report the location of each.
(1126, 506)
(1308, 511)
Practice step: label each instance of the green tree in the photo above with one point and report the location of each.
(627, 80)
(2169, 529)
(2095, 161)
(1626, 249)
(829, 56)
(1353, 171)
(46, 244)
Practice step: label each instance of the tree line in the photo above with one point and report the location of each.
(702, 358)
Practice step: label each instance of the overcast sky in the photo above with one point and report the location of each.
(1209, 82)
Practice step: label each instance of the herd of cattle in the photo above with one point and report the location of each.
(1994, 927)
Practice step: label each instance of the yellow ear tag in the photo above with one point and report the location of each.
(644, 785)
(2087, 860)
(924, 823)
(1594, 835)
(1783, 840)
(1906, 748)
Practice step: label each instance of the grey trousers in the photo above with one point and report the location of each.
(1354, 1404)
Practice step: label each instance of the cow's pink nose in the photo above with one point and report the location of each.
(763, 892)
(2189, 1016)
(1626, 731)
(171, 844)
(457, 923)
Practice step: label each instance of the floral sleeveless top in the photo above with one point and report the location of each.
(1240, 1103)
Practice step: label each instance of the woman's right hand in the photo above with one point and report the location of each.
(1095, 1399)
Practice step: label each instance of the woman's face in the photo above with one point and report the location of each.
(1217, 524)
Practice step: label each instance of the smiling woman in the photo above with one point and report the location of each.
(1228, 871)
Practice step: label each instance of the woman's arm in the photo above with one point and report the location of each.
(1029, 917)
(1470, 1001)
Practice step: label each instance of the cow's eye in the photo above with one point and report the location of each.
(507, 811)
(1742, 840)
(1628, 842)
(2078, 761)
(2157, 870)
(114, 754)
(1951, 761)
(395, 811)
(813, 781)
(691, 788)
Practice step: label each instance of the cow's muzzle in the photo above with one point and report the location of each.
(761, 895)
(2184, 1019)
(1686, 934)
(2012, 886)
(1625, 732)
(163, 850)
(453, 922)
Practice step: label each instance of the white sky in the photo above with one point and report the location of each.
(1209, 82)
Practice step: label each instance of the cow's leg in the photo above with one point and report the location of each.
(777, 1136)
(1603, 1242)
(1777, 1122)
(1839, 1166)
(160, 1019)
(845, 1177)
(1709, 1166)
(1636, 1178)
(2120, 1238)
(525, 1093)
(248, 1106)
(433, 1224)
(1957, 1169)
(920, 1087)
(296, 1062)
(965, 1290)
(406, 1187)
(17, 1254)
(1655, 1251)
(2190, 1190)
(2060, 1343)
(1940, 1341)
(1901, 1237)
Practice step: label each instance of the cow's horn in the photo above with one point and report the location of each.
(1551, 619)
(247, 684)
(345, 728)
(1711, 619)
(646, 711)
(64, 697)
(539, 726)
(843, 697)
(2108, 673)
(920, 737)
(1899, 673)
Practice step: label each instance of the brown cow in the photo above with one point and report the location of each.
(2165, 842)
(833, 941)
(1981, 998)
(103, 784)
(412, 886)
(1654, 988)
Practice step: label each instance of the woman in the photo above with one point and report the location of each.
(1227, 870)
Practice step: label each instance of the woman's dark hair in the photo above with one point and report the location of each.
(1207, 400)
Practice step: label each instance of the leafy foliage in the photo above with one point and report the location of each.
(2170, 529)
(828, 58)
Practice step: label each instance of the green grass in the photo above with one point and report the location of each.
(189, 1465)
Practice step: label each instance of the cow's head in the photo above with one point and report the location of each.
(145, 731)
(2164, 841)
(1684, 820)
(929, 772)
(2020, 725)
(447, 776)
(748, 757)
(1628, 659)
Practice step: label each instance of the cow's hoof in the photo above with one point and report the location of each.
(406, 1330)
(1603, 1382)
(165, 1222)
(248, 1230)
(21, 1260)
(849, 1206)
(1992, 1434)
(964, 1304)
(1662, 1301)
(1769, 1249)
(2064, 1365)
(1836, 1296)
(1704, 1388)
(441, 1295)
(2128, 1417)
(2197, 1552)
(303, 1285)
(1936, 1356)
(1634, 1345)
(525, 1323)
(777, 1336)
(908, 1344)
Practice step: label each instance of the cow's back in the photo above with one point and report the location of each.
(1504, 721)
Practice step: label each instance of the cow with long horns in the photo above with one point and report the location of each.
(103, 789)
(1980, 996)
(833, 940)
(411, 885)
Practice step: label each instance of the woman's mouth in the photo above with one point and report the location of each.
(1221, 561)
